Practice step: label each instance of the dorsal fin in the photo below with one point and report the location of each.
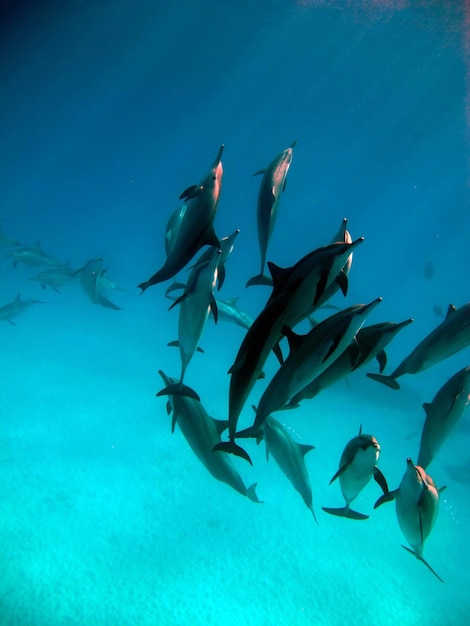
(294, 340)
(451, 309)
(360, 430)
(304, 448)
(220, 425)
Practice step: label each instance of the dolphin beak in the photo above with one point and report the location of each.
(218, 157)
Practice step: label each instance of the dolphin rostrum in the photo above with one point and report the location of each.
(357, 465)
(202, 432)
(193, 227)
(289, 455)
(442, 414)
(272, 185)
(452, 335)
(417, 505)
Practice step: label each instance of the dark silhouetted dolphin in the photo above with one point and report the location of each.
(417, 505)
(357, 465)
(202, 432)
(442, 415)
(272, 185)
(193, 226)
(451, 336)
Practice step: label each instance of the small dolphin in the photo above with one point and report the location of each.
(451, 336)
(55, 277)
(32, 256)
(272, 185)
(357, 465)
(15, 308)
(417, 505)
(442, 415)
(202, 432)
(228, 311)
(193, 225)
(309, 355)
(195, 302)
(369, 342)
(90, 281)
(289, 455)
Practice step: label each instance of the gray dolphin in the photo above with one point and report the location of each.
(289, 455)
(451, 336)
(15, 308)
(225, 248)
(442, 414)
(272, 185)
(369, 343)
(357, 465)
(229, 311)
(202, 432)
(32, 256)
(194, 225)
(195, 304)
(417, 505)
(90, 281)
(55, 277)
(309, 355)
(296, 292)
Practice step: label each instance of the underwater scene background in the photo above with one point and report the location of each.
(109, 110)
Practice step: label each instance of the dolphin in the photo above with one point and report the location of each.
(311, 277)
(55, 277)
(272, 185)
(228, 311)
(32, 256)
(90, 281)
(449, 337)
(225, 247)
(442, 415)
(202, 432)
(357, 465)
(289, 455)
(195, 302)
(194, 224)
(369, 343)
(309, 355)
(417, 505)
(296, 293)
(15, 308)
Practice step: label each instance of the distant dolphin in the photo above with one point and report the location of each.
(368, 343)
(90, 275)
(228, 311)
(309, 355)
(272, 185)
(357, 465)
(194, 224)
(417, 504)
(15, 308)
(55, 277)
(32, 256)
(442, 415)
(451, 336)
(289, 455)
(202, 432)
(195, 304)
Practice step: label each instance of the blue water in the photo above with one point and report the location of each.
(109, 110)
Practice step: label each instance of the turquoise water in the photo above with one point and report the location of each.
(109, 111)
